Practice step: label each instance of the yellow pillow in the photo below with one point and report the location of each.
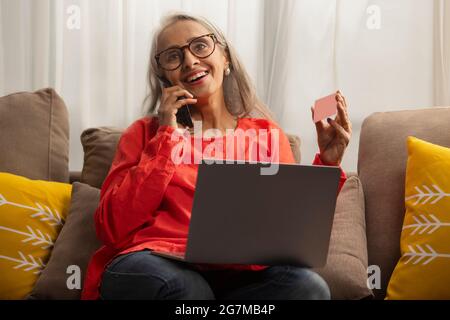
(32, 213)
(423, 271)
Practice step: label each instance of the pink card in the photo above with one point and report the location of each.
(325, 107)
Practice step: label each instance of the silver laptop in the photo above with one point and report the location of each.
(242, 217)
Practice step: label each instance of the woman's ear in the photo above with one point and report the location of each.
(226, 54)
(227, 66)
(227, 57)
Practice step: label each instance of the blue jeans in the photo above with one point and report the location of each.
(141, 275)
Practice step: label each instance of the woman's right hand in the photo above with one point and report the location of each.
(170, 104)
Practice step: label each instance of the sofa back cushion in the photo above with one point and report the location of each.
(34, 139)
(381, 168)
(99, 145)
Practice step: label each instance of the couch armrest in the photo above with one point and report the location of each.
(74, 176)
(347, 262)
(295, 143)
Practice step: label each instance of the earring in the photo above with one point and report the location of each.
(227, 71)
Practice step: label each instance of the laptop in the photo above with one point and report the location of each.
(242, 217)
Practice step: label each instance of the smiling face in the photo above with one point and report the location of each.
(211, 68)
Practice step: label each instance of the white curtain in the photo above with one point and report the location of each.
(442, 52)
(383, 55)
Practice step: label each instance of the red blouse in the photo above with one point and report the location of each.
(146, 199)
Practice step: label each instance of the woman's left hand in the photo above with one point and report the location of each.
(334, 136)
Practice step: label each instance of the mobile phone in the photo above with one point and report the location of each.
(183, 114)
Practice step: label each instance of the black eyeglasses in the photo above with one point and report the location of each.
(201, 47)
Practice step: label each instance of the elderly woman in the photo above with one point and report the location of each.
(146, 199)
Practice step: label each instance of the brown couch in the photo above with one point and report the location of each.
(381, 168)
(34, 143)
(379, 189)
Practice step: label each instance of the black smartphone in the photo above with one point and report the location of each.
(183, 115)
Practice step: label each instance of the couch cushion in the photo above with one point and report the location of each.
(99, 145)
(34, 140)
(74, 247)
(32, 213)
(346, 268)
(381, 168)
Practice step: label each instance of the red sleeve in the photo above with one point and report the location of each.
(342, 179)
(286, 155)
(135, 184)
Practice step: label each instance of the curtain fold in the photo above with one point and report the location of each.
(296, 51)
(2, 56)
(441, 52)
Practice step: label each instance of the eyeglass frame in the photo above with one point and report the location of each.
(188, 46)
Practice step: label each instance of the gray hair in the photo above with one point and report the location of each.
(239, 92)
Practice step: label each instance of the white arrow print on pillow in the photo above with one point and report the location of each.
(2, 200)
(428, 194)
(426, 224)
(27, 264)
(37, 236)
(55, 218)
(421, 254)
(52, 219)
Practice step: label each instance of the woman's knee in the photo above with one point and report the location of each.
(142, 275)
(188, 285)
(309, 285)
